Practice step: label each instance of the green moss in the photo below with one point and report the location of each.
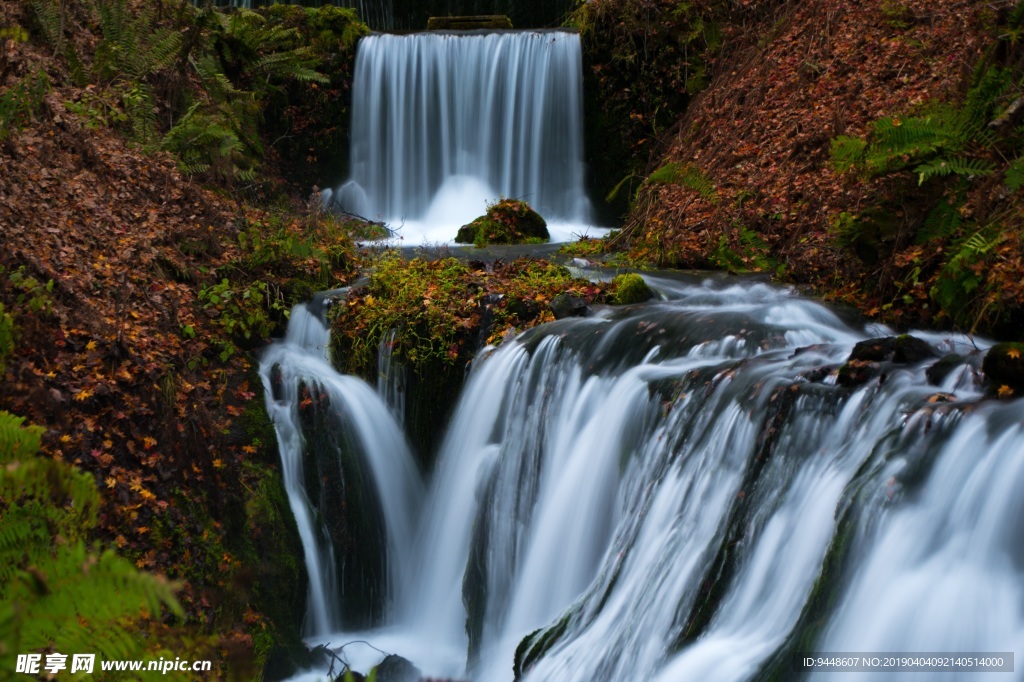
(429, 305)
(508, 221)
(630, 288)
(434, 316)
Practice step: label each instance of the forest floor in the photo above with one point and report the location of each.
(749, 179)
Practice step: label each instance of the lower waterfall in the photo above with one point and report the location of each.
(677, 490)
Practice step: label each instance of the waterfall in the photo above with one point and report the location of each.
(443, 123)
(680, 490)
(294, 371)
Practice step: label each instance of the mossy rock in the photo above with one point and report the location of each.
(1004, 368)
(631, 288)
(509, 221)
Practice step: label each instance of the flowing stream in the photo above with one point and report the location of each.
(675, 491)
(444, 123)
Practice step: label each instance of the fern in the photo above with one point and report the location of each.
(688, 176)
(22, 101)
(56, 592)
(957, 165)
(848, 152)
(944, 220)
(50, 14)
(963, 275)
(1014, 178)
(133, 47)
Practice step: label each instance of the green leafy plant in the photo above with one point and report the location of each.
(22, 102)
(943, 140)
(253, 59)
(962, 279)
(96, 110)
(243, 313)
(688, 176)
(58, 590)
(6, 337)
(32, 295)
(746, 251)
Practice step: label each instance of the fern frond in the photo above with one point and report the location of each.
(688, 176)
(1014, 178)
(51, 20)
(55, 592)
(942, 221)
(17, 441)
(957, 165)
(847, 152)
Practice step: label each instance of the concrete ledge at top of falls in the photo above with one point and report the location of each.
(492, 21)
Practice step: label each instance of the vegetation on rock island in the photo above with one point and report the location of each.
(432, 316)
(507, 221)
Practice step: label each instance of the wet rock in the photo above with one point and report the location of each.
(938, 372)
(1004, 368)
(857, 372)
(394, 668)
(910, 349)
(817, 375)
(904, 349)
(867, 358)
(469, 23)
(569, 305)
(276, 382)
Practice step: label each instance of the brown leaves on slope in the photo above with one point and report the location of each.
(761, 131)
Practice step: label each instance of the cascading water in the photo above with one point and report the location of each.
(294, 372)
(443, 123)
(680, 491)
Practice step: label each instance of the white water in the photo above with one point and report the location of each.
(302, 358)
(595, 469)
(445, 123)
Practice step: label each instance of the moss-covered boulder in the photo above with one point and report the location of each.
(509, 221)
(630, 288)
(1004, 368)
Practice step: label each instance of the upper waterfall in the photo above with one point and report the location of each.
(443, 123)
